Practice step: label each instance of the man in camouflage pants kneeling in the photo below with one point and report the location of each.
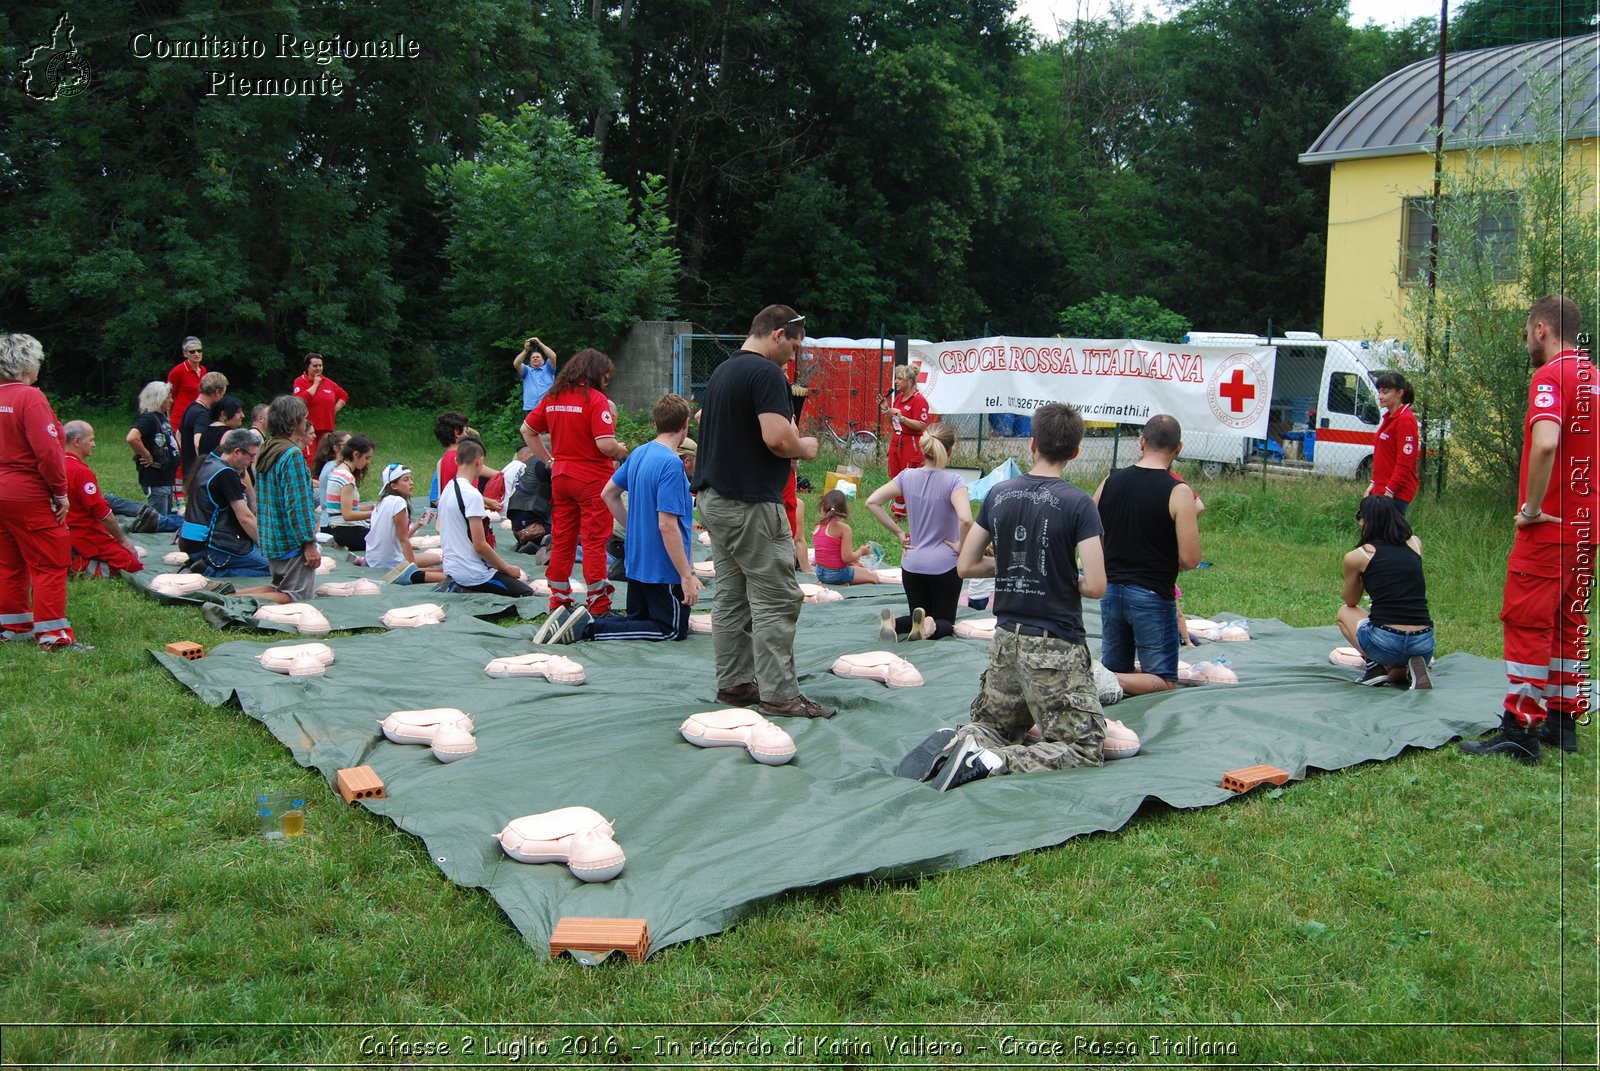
(1043, 528)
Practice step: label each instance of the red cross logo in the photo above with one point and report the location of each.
(1237, 391)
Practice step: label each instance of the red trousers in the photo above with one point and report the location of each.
(1545, 614)
(35, 550)
(791, 505)
(91, 545)
(576, 509)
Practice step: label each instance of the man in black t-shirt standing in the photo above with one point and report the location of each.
(192, 421)
(748, 440)
(1151, 534)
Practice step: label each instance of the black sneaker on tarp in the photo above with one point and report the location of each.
(969, 761)
(1376, 676)
(924, 760)
(1417, 673)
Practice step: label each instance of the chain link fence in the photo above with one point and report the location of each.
(1323, 421)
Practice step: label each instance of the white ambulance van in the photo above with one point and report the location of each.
(1324, 415)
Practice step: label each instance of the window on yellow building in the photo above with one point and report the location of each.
(1492, 218)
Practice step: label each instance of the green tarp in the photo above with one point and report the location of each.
(711, 834)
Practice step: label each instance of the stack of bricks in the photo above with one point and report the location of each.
(597, 937)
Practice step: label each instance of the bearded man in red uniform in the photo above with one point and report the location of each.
(1546, 604)
(99, 546)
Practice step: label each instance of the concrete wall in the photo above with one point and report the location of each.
(644, 363)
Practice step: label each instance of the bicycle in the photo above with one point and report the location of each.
(857, 442)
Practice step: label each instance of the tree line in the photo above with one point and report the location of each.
(564, 168)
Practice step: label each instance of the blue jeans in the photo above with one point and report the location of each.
(1383, 647)
(127, 507)
(1137, 619)
(161, 499)
(845, 575)
(221, 563)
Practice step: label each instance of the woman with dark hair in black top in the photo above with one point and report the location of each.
(1397, 638)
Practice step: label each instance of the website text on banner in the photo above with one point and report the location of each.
(1211, 387)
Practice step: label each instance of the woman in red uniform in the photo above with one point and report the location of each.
(1394, 452)
(908, 416)
(35, 546)
(577, 415)
(323, 397)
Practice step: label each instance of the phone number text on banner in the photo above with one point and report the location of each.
(1211, 387)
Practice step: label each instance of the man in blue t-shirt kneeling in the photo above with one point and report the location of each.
(657, 516)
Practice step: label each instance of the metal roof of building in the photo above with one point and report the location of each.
(1487, 101)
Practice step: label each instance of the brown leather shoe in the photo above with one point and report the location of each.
(740, 695)
(798, 707)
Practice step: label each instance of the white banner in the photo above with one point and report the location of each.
(1208, 388)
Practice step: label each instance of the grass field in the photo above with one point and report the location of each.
(1430, 910)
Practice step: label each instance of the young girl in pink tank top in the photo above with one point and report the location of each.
(836, 558)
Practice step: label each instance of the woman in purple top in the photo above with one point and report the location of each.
(937, 518)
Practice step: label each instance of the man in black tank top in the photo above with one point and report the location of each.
(1151, 533)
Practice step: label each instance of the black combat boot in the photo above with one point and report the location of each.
(1512, 739)
(1560, 730)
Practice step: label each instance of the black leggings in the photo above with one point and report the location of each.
(349, 536)
(500, 584)
(937, 594)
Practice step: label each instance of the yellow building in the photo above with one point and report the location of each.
(1381, 149)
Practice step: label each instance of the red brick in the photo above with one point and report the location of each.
(1243, 780)
(360, 783)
